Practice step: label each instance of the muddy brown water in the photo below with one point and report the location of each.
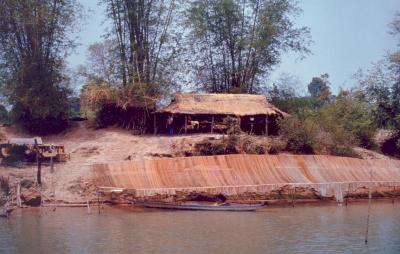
(303, 229)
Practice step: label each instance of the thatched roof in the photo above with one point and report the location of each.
(221, 104)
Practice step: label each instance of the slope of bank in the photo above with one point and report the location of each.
(241, 175)
(73, 181)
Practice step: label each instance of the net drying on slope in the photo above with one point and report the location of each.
(239, 174)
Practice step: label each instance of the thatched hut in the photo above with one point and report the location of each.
(205, 113)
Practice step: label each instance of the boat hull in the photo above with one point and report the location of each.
(199, 207)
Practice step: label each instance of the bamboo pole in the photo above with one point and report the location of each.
(39, 170)
(369, 206)
(88, 206)
(98, 201)
(212, 124)
(154, 124)
(19, 203)
(51, 164)
(185, 124)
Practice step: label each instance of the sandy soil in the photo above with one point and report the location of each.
(72, 180)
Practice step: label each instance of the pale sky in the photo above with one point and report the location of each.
(347, 35)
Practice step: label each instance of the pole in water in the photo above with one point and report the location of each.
(88, 206)
(369, 207)
(293, 191)
(98, 201)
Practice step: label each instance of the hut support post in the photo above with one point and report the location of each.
(266, 125)
(52, 164)
(212, 124)
(39, 170)
(19, 203)
(154, 124)
(185, 124)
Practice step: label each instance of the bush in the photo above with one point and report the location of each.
(233, 125)
(391, 146)
(274, 146)
(299, 135)
(250, 146)
(210, 148)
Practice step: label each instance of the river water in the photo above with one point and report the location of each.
(303, 229)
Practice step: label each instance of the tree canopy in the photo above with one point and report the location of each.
(236, 43)
(34, 41)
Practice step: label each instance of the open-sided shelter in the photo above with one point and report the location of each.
(205, 113)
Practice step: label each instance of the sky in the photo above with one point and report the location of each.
(347, 35)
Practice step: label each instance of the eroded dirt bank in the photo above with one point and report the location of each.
(73, 181)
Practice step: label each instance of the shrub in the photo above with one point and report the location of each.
(210, 148)
(233, 125)
(299, 135)
(251, 146)
(274, 146)
(391, 146)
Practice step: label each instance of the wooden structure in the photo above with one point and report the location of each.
(205, 113)
(32, 146)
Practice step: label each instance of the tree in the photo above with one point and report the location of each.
(102, 65)
(377, 86)
(235, 43)
(34, 40)
(319, 87)
(146, 42)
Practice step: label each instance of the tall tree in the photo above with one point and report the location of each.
(236, 42)
(146, 45)
(34, 40)
(319, 87)
(103, 63)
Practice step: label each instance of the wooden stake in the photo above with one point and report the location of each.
(266, 125)
(51, 165)
(212, 124)
(98, 201)
(185, 124)
(155, 124)
(88, 206)
(394, 193)
(39, 170)
(19, 203)
(369, 207)
(293, 191)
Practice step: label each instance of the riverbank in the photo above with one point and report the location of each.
(73, 182)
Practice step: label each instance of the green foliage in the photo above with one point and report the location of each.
(349, 117)
(128, 106)
(34, 39)
(391, 146)
(236, 42)
(319, 88)
(251, 147)
(233, 125)
(300, 135)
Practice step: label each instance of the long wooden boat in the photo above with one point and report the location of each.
(198, 206)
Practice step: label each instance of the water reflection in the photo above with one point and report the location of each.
(308, 229)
